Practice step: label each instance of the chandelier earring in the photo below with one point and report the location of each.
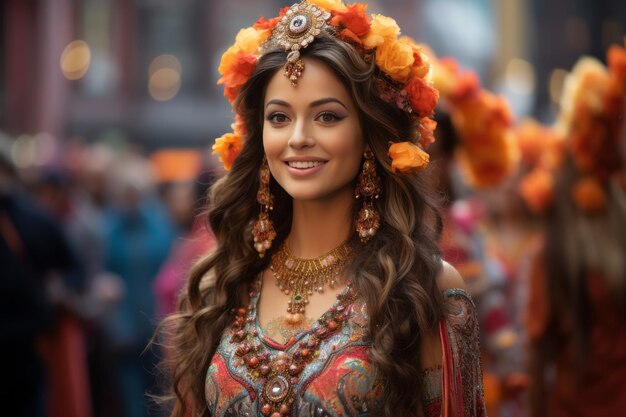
(263, 230)
(368, 189)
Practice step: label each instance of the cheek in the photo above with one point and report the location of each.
(271, 142)
(352, 151)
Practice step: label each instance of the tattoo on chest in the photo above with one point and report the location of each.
(281, 331)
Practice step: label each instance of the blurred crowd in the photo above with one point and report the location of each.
(95, 243)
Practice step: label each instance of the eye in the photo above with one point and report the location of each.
(329, 117)
(277, 118)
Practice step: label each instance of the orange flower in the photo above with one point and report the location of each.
(262, 23)
(537, 189)
(589, 195)
(533, 140)
(444, 74)
(407, 158)
(354, 19)
(395, 59)
(236, 67)
(465, 85)
(383, 29)
(426, 130)
(228, 148)
(423, 97)
(349, 36)
(616, 59)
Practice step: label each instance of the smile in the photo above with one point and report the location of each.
(305, 164)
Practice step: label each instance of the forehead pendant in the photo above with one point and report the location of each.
(296, 30)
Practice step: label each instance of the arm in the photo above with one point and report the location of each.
(449, 278)
(459, 334)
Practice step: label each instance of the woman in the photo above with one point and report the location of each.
(329, 296)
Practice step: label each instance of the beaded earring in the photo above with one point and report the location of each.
(263, 230)
(368, 186)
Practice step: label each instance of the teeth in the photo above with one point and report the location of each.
(304, 164)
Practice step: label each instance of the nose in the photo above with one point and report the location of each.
(300, 137)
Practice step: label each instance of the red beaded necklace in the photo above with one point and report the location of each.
(278, 374)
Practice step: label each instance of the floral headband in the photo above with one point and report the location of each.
(404, 65)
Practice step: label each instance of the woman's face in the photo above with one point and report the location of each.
(311, 134)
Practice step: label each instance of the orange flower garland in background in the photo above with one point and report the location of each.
(404, 71)
(488, 152)
(537, 190)
(589, 130)
(533, 140)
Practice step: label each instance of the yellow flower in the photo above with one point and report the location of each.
(383, 29)
(249, 39)
(396, 59)
(421, 62)
(329, 5)
(407, 158)
(228, 148)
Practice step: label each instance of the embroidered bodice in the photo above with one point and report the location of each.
(338, 380)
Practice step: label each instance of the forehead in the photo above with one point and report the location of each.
(317, 81)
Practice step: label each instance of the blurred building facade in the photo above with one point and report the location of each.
(147, 68)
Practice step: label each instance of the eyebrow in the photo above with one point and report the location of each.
(313, 104)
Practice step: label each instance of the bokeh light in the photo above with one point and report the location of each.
(556, 83)
(520, 76)
(75, 60)
(164, 77)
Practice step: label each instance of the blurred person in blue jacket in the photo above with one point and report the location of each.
(139, 235)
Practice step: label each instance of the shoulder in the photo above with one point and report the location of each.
(460, 306)
(449, 278)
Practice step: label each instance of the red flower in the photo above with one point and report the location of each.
(422, 96)
(354, 19)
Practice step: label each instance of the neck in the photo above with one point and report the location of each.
(320, 226)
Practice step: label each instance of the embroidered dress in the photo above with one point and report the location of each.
(338, 379)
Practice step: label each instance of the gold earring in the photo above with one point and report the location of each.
(368, 186)
(263, 230)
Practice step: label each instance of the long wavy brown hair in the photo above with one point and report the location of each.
(395, 271)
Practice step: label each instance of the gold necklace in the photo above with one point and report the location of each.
(300, 278)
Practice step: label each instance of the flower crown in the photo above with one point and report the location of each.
(589, 130)
(404, 67)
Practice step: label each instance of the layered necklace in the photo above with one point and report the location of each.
(279, 374)
(300, 278)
